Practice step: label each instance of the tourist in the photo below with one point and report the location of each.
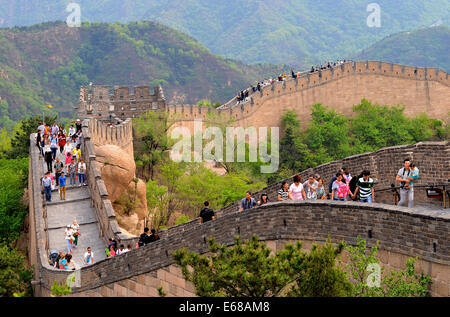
(81, 173)
(112, 243)
(48, 157)
(72, 131)
(39, 139)
(352, 186)
(61, 141)
(70, 264)
(154, 236)
(340, 189)
(247, 202)
(347, 175)
(144, 238)
(41, 128)
(128, 249)
(206, 214)
(68, 233)
(62, 186)
(296, 190)
(78, 125)
(406, 192)
(76, 153)
(60, 256)
(283, 192)
(263, 200)
(79, 138)
(414, 175)
(47, 187)
(112, 251)
(121, 250)
(76, 233)
(310, 187)
(59, 167)
(333, 179)
(321, 194)
(55, 129)
(63, 262)
(54, 145)
(88, 257)
(72, 171)
(365, 187)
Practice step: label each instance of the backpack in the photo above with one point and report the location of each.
(52, 257)
(342, 190)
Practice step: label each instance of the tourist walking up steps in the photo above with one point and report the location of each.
(47, 186)
(62, 186)
(72, 170)
(59, 167)
(406, 185)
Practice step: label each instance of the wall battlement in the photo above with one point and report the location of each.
(418, 89)
(102, 133)
(102, 101)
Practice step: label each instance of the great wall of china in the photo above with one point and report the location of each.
(402, 232)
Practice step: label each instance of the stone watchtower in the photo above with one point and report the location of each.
(104, 102)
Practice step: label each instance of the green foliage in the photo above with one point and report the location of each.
(150, 140)
(250, 269)
(60, 290)
(13, 181)
(403, 283)
(15, 278)
(161, 292)
(182, 219)
(332, 136)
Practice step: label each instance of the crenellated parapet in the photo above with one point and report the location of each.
(103, 132)
(419, 90)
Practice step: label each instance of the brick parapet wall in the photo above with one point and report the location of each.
(121, 135)
(400, 230)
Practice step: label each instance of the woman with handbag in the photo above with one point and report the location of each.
(76, 233)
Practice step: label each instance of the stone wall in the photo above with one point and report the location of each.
(420, 90)
(402, 233)
(121, 135)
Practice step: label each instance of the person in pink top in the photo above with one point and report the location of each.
(296, 190)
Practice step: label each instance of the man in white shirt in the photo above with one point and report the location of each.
(88, 257)
(82, 172)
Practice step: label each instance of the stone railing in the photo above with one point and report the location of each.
(107, 223)
(400, 231)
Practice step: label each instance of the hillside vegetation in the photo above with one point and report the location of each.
(428, 47)
(47, 64)
(279, 31)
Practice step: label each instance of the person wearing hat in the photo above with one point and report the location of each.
(69, 238)
(78, 125)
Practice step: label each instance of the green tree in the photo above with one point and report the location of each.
(15, 278)
(151, 141)
(403, 283)
(250, 269)
(20, 140)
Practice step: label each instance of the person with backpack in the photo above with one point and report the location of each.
(333, 179)
(339, 190)
(406, 187)
(144, 238)
(206, 214)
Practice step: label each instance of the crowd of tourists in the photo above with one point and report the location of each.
(243, 95)
(342, 187)
(62, 155)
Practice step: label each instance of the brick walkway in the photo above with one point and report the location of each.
(61, 213)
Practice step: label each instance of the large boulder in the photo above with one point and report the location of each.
(117, 168)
